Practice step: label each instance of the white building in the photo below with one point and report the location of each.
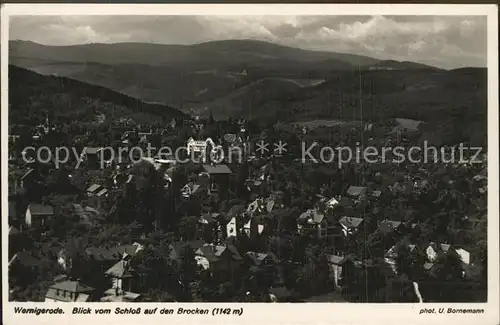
(198, 148)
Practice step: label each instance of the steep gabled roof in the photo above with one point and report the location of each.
(217, 169)
(93, 188)
(121, 269)
(72, 286)
(350, 222)
(40, 209)
(356, 190)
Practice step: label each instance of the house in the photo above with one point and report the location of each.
(261, 259)
(102, 258)
(102, 193)
(392, 254)
(406, 125)
(178, 249)
(330, 204)
(337, 264)
(464, 255)
(218, 258)
(69, 291)
(13, 231)
(263, 206)
(24, 264)
(345, 202)
(356, 192)
(197, 149)
(38, 215)
(387, 226)
(433, 249)
(350, 225)
(254, 226)
(316, 221)
(93, 189)
(218, 177)
(191, 189)
(122, 278)
(233, 216)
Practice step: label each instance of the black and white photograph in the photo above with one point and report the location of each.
(241, 158)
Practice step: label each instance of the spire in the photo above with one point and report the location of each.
(211, 119)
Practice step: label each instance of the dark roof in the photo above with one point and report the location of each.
(408, 124)
(312, 216)
(72, 286)
(113, 253)
(179, 246)
(351, 222)
(389, 225)
(258, 258)
(13, 230)
(345, 202)
(217, 169)
(102, 192)
(40, 209)
(213, 252)
(208, 218)
(92, 150)
(102, 254)
(356, 190)
(93, 188)
(235, 211)
(121, 269)
(26, 259)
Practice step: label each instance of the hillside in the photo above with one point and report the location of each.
(453, 102)
(190, 77)
(31, 95)
(215, 54)
(397, 65)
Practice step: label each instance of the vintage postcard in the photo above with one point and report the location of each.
(249, 163)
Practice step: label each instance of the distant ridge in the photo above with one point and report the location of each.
(30, 93)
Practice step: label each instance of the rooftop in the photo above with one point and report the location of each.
(356, 190)
(40, 209)
(217, 169)
(72, 286)
(351, 222)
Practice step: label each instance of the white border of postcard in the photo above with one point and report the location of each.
(311, 313)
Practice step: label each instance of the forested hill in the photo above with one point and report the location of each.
(32, 95)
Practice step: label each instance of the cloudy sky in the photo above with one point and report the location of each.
(443, 41)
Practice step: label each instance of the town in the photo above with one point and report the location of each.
(265, 226)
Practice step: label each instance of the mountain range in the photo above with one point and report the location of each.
(190, 77)
(256, 79)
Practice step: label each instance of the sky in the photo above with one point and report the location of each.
(442, 41)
